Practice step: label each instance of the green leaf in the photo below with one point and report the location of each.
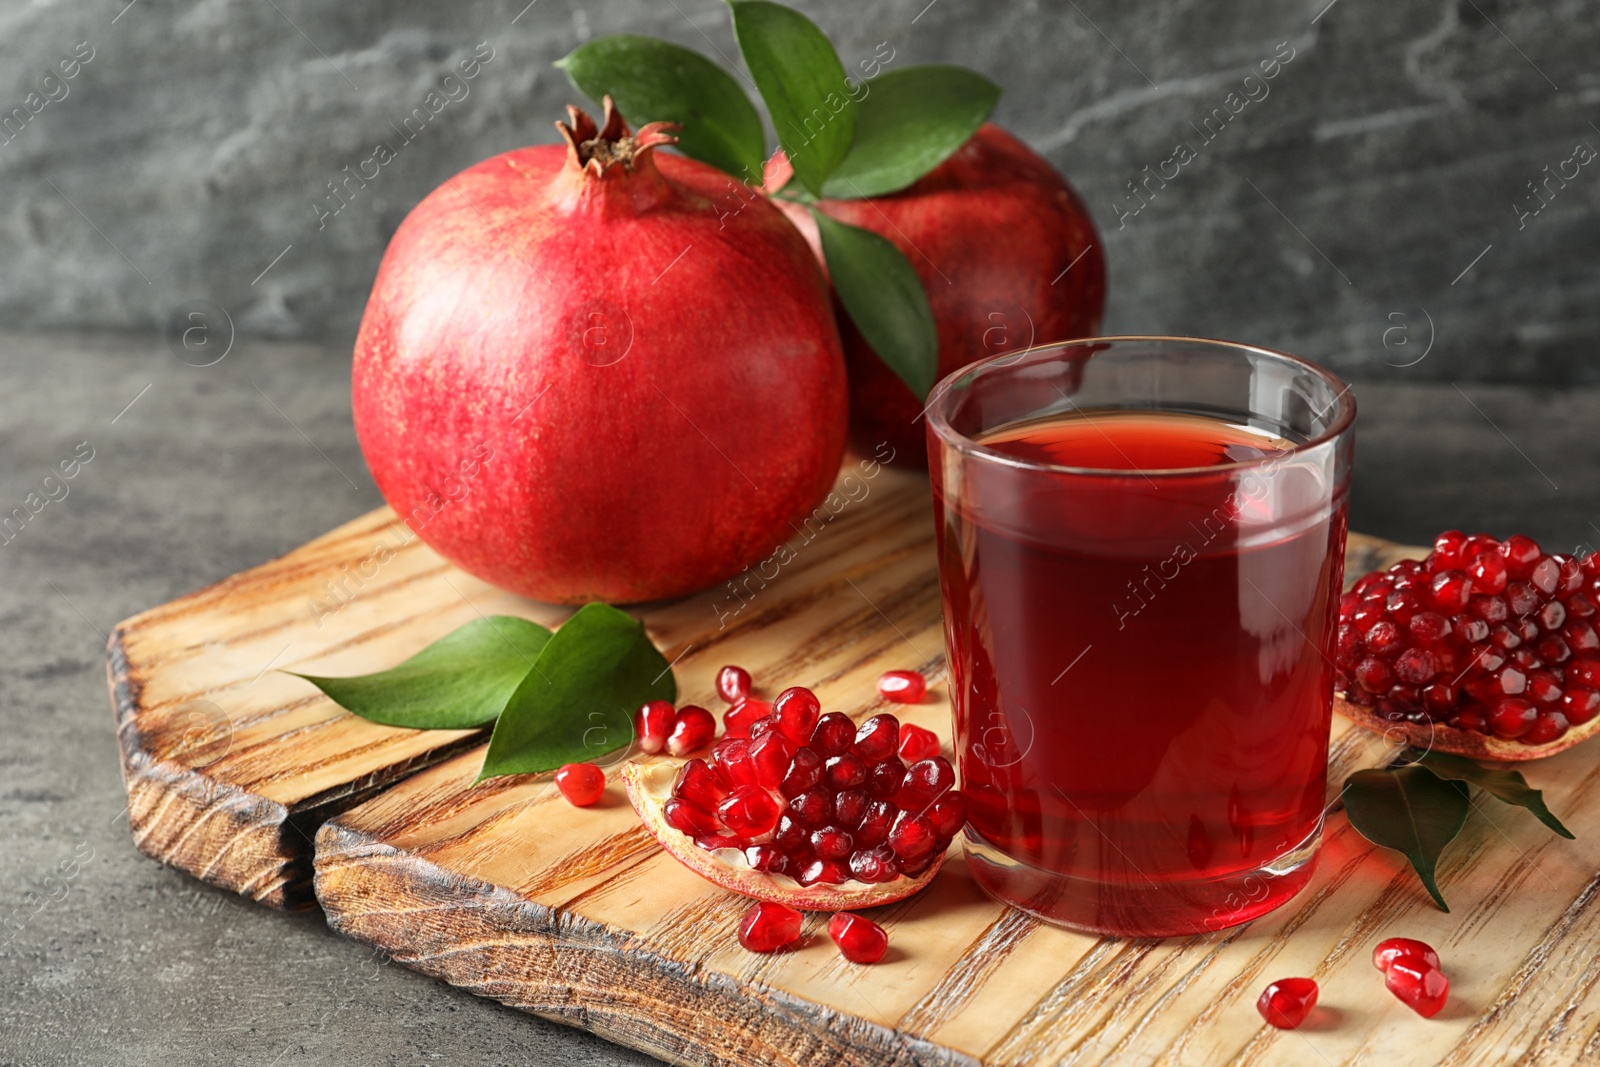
(803, 84)
(908, 123)
(656, 81)
(460, 681)
(1508, 786)
(578, 701)
(885, 300)
(1411, 810)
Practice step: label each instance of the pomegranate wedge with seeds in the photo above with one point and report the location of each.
(807, 810)
(1487, 649)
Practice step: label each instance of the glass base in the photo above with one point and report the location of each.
(1145, 909)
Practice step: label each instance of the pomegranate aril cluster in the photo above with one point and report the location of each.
(1498, 637)
(1411, 972)
(814, 797)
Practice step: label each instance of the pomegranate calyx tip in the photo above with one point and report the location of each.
(594, 149)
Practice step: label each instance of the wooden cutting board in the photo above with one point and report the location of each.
(504, 889)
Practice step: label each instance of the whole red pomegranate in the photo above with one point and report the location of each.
(582, 376)
(1006, 252)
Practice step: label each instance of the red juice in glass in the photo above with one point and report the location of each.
(1141, 550)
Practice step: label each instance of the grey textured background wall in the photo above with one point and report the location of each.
(1377, 201)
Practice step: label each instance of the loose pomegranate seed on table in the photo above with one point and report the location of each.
(1286, 1002)
(1494, 637)
(653, 725)
(581, 783)
(692, 729)
(1395, 948)
(860, 940)
(902, 687)
(1423, 988)
(768, 926)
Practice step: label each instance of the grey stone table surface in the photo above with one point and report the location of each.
(194, 473)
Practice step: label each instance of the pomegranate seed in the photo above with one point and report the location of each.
(844, 772)
(730, 758)
(874, 865)
(1414, 666)
(1580, 637)
(1394, 948)
(581, 783)
(1471, 631)
(884, 780)
(767, 927)
(1579, 705)
(1545, 576)
(771, 755)
(797, 709)
(1548, 726)
(1373, 675)
(1403, 604)
(652, 724)
(833, 735)
(687, 818)
(1286, 1002)
(1584, 672)
(1366, 617)
(1512, 717)
(873, 829)
(1449, 551)
(1543, 687)
(814, 808)
(877, 739)
(1470, 719)
(693, 729)
(1439, 699)
(733, 684)
(1553, 650)
(948, 814)
(1579, 605)
(1488, 572)
(1552, 615)
(1491, 609)
(828, 872)
(1428, 627)
(766, 858)
(738, 719)
(1383, 639)
(749, 811)
(1346, 646)
(912, 836)
(792, 837)
(1451, 589)
(860, 940)
(1423, 988)
(832, 843)
(926, 780)
(805, 771)
(917, 744)
(699, 785)
(1521, 553)
(902, 687)
(850, 807)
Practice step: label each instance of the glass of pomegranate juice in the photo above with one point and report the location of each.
(1141, 545)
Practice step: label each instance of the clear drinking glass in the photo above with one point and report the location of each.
(1141, 551)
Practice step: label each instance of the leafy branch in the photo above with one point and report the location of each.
(844, 140)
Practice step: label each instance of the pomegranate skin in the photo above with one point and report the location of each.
(991, 232)
(588, 382)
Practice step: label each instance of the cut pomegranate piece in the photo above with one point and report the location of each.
(902, 687)
(1422, 987)
(860, 940)
(1286, 1002)
(769, 926)
(836, 823)
(1397, 948)
(581, 783)
(733, 684)
(1481, 649)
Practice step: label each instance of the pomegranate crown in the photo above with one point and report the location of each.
(595, 149)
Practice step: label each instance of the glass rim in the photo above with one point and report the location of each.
(962, 443)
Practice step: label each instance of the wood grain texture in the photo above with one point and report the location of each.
(574, 915)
